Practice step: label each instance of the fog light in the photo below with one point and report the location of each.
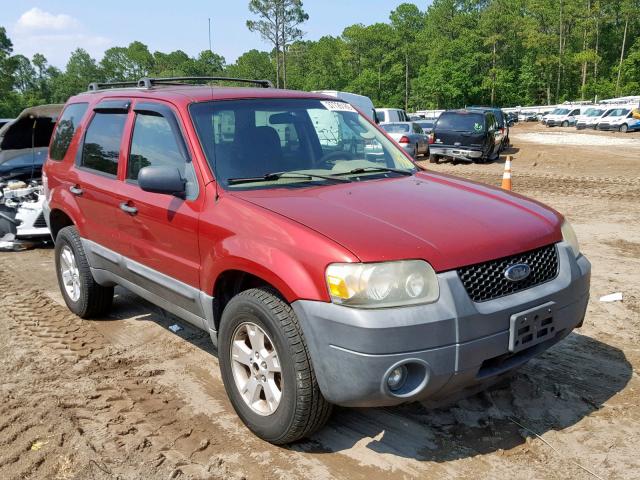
(397, 377)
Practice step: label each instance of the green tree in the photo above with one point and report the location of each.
(407, 20)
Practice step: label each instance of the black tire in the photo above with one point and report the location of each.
(95, 300)
(302, 410)
(624, 128)
(434, 158)
(565, 124)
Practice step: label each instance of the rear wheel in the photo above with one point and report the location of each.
(434, 158)
(624, 128)
(266, 368)
(81, 293)
(565, 124)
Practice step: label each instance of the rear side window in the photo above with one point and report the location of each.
(461, 122)
(66, 129)
(101, 149)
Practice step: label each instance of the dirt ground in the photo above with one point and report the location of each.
(126, 398)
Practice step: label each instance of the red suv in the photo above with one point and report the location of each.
(326, 266)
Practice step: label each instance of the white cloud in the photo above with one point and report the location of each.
(55, 35)
(37, 19)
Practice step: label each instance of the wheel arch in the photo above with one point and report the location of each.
(58, 220)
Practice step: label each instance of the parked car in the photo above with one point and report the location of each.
(23, 149)
(590, 118)
(563, 117)
(632, 125)
(427, 124)
(389, 115)
(361, 102)
(528, 116)
(467, 135)
(221, 206)
(616, 119)
(410, 136)
(512, 118)
(502, 123)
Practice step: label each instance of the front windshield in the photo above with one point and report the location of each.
(618, 112)
(396, 127)
(596, 113)
(249, 139)
(561, 111)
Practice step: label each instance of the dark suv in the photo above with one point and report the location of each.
(467, 135)
(276, 221)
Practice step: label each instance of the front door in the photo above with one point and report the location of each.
(161, 231)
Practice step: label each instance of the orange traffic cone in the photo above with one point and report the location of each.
(506, 176)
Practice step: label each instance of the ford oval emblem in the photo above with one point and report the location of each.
(518, 272)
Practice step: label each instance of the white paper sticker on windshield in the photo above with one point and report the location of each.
(337, 106)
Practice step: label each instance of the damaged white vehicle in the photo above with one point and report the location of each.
(24, 144)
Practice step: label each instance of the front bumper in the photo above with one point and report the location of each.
(463, 153)
(451, 345)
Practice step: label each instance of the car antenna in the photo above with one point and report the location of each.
(214, 133)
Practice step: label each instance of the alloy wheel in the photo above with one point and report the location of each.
(256, 368)
(70, 273)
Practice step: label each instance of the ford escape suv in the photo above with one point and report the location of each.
(277, 221)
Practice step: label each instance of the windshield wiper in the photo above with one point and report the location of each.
(278, 175)
(375, 169)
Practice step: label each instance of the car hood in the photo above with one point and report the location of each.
(447, 221)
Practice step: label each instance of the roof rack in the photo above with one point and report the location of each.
(150, 82)
(94, 86)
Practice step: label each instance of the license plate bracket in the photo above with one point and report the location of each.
(531, 327)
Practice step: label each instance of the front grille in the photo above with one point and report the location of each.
(40, 222)
(486, 281)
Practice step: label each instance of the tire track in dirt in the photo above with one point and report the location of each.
(120, 421)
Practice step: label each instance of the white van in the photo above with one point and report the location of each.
(362, 103)
(615, 118)
(590, 117)
(388, 115)
(563, 116)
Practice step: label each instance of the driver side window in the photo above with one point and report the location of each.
(154, 143)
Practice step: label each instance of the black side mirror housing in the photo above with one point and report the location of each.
(165, 180)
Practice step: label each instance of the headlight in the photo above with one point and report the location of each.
(377, 285)
(569, 236)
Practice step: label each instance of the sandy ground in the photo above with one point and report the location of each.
(126, 398)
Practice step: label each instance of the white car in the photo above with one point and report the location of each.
(615, 119)
(562, 117)
(361, 102)
(586, 116)
(388, 115)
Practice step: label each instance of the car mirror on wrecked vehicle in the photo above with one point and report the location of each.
(165, 180)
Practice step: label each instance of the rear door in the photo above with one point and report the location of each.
(94, 178)
(160, 231)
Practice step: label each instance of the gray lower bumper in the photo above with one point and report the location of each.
(457, 152)
(450, 345)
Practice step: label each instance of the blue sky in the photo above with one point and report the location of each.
(57, 27)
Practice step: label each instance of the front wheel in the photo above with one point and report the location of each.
(434, 158)
(267, 370)
(565, 124)
(624, 128)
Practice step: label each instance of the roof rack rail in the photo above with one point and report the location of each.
(150, 82)
(95, 86)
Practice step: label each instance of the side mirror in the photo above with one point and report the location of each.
(165, 180)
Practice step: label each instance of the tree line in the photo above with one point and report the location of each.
(454, 53)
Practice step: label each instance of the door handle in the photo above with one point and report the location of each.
(76, 190)
(125, 207)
